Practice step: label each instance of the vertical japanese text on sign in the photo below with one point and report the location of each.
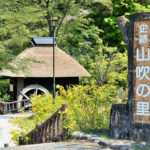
(142, 71)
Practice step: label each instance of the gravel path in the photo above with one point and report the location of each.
(5, 137)
(73, 145)
(5, 128)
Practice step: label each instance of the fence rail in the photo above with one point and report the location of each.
(6, 107)
(51, 130)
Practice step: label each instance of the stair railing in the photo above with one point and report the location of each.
(6, 107)
(51, 130)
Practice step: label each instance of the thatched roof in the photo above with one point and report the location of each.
(65, 65)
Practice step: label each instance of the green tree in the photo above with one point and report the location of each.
(21, 19)
(105, 16)
(144, 2)
(86, 30)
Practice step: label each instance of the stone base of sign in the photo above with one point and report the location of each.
(119, 123)
(121, 128)
(139, 131)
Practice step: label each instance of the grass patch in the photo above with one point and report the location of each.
(136, 148)
(147, 147)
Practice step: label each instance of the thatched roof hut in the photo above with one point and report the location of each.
(65, 65)
(39, 77)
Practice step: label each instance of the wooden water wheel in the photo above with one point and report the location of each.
(35, 89)
(28, 91)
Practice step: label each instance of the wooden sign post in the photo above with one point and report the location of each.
(141, 76)
(132, 120)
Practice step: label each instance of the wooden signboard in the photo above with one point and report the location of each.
(133, 121)
(141, 75)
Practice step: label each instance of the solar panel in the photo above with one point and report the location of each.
(42, 40)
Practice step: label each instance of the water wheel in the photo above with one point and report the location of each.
(32, 89)
(27, 91)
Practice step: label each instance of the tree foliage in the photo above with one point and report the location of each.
(105, 16)
(88, 108)
(86, 30)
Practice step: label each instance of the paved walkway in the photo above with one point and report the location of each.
(5, 137)
(73, 145)
(5, 128)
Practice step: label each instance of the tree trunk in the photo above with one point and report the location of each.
(122, 23)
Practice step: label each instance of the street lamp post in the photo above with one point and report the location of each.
(53, 23)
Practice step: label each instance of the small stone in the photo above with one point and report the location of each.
(84, 137)
(103, 143)
(125, 148)
(95, 138)
(140, 146)
(81, 135)
(116, 147)
(6, 145)
(75, 133)
(88, 136)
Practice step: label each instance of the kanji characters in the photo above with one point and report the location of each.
(143, 90)
(142, 72)
(143, 28)
(143, 109)
(143, 39)
(143, 58)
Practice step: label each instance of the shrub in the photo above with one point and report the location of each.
(88, 107)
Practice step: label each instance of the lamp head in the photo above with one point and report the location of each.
(53, 22)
